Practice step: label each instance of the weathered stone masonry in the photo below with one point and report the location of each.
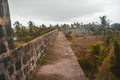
(6, 42)
(20, 62)
(17, 64)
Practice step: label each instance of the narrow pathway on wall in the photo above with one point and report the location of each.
(61, 63)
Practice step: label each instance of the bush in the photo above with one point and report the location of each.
(85, 64)
(26, 38)
(117, 52)
(116, 70)
(16, 44)
(68, 35)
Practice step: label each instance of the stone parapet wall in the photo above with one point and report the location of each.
(18, 64)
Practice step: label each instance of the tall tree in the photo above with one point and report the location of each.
(104, 24)
(17, 29)
(31, 28)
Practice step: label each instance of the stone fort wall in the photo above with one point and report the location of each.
(19, 63)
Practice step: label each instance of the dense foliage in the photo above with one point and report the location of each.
(24, 34)
(115, 68)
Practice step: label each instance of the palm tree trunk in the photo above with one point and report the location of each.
(104, 33)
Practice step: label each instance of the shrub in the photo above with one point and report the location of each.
(117, 52)
(96, 53)
(26, 38)
(85, 64)
(16, 44)
(68, 35)
(116, 70)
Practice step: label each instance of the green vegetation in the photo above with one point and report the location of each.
(69, 35)
(99, 60)
(87, 66)
(95, 54)
(96, 45)
(25, 34)
(115, 68)
(42, 60)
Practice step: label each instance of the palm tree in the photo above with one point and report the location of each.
(31, 29)
(17, 29)
(23, 28)
(104, 24)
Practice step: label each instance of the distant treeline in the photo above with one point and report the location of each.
(23, 33)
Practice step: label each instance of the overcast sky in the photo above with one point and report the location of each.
(63, 11)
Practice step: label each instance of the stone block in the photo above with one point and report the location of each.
(24, 59)
(14, 55)
(1, 32)
(6, 61)
(11, 70)
(9, 30)
(10, 43)
(18, 65)
(27, 48)
(2, 48)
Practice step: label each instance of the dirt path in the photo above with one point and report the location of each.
(62, 63)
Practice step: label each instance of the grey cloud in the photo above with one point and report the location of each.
(53, 9)
(58, 10)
